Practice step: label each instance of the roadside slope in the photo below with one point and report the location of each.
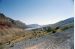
(60, 40)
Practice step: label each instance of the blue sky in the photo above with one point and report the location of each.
(37, 11)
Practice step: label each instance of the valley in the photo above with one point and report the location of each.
(15, 34)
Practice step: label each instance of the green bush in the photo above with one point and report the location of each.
(0, 43)
(48, 29)
(56, 28)
(67, 27)
(54, 31)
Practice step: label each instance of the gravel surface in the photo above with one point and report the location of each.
(60, 40)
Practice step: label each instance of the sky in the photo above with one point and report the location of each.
(40, 12)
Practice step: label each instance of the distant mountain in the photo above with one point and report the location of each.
(6, 21)
(70, 20)
(63, 22)
(33, 26)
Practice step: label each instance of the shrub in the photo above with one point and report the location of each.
(48, 29)
(56, 28)
(54, 31)
(65, 28)
(0, 43)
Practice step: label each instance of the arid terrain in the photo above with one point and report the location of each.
(15, 35)
(61, 40)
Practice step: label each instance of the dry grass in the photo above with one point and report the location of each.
(15, 34)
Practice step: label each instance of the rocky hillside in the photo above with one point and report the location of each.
(59, 37)
(8, 22)
(13, 35)
(9, 29)
(33, 26)
(63, 22)
(59, 40)
(14, 31)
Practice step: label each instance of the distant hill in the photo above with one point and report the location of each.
(67, 21)
(63, 22)
(33, 26)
